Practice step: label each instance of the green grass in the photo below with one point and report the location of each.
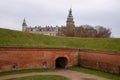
(94, 72)
(42, 77)
(24, 39)
(25, 71)
(88, 79)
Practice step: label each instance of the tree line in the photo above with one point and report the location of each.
(85, 31)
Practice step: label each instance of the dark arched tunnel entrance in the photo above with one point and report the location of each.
(61, 62)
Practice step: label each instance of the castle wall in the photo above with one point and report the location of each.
(25, 58)
(49, 33)
(99, 60)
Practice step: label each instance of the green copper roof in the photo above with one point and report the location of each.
(70, 13)
(24, 22)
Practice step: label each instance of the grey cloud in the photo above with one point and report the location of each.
(54, 12)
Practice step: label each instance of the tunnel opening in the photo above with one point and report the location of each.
(61, 62)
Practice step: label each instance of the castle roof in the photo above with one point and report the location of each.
(24, 22)
(70, 13)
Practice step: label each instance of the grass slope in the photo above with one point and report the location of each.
(42, 77)
(24, 39)
(95, 72)
(26, 71)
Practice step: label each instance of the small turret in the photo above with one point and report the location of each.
(24, 25)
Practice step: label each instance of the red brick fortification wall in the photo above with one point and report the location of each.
(35, 57)
(103, 61)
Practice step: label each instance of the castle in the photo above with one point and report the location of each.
(48, 30)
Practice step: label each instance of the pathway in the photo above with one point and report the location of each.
(73, 75)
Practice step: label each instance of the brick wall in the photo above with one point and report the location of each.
(34, 57)
(99, 60)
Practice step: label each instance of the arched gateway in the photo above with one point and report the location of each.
(61, 62)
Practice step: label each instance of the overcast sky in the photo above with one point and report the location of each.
(54, 12)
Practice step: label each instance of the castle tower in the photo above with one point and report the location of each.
(70, 27)
(24, 25)
(70, 21)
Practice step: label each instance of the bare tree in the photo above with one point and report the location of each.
(68, 31)
(103, 32)
(85, 31)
